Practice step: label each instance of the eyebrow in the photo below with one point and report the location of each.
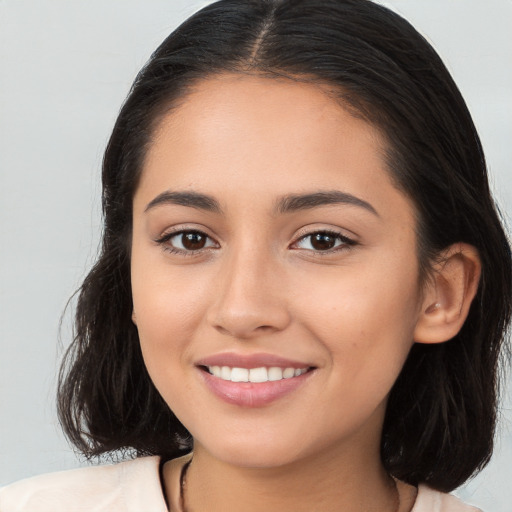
(190, 199)
(286, 204)
(295, 202)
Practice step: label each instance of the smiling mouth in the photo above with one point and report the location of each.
(255, 375)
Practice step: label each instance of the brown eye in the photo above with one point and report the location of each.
(186, 241)
(322, 241)
(193, 240)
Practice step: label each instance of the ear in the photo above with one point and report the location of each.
(448, 295)
(134, 317)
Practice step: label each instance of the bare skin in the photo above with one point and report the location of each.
(172, 470)
(266, 223)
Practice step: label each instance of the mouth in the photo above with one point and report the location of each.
(255, 375)
(253, 381)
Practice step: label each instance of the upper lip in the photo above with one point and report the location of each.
(250, 361)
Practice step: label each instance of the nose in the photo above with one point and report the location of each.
(250, 297)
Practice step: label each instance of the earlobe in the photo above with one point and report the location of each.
(448, 294)
(134, 318)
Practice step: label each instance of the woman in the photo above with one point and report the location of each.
(303, 277)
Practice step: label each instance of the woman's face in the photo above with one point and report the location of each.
(270, 245)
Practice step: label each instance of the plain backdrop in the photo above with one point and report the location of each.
(65, 68)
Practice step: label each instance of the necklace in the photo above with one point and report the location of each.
(183, 476)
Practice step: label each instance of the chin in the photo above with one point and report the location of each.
(257, 450)
(258, 457)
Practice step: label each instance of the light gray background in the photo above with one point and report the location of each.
(65, 68)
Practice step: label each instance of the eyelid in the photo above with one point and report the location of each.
(168, 234)
(347, 241)
(338, 233)
(182, 228)
(333, 230)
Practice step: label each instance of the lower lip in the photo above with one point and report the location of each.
(252, 394)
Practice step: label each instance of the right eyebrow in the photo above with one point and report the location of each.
(190, 199)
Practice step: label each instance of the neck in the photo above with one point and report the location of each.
(326, 482)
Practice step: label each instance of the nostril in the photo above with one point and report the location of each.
(222, 330)
(265, 328)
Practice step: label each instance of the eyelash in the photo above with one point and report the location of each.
(165, 239)
(345, 244)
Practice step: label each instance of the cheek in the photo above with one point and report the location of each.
(366, 327)
(168, 307)
(366, 316)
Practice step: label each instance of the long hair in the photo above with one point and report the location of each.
(441, 413)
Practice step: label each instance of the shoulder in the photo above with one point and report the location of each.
(123, 487)
(429, 500)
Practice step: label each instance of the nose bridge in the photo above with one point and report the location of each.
(249, 292)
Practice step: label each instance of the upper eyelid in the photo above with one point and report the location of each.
(305, 232)
(164, 242)
(300, 235)
(176, 230)
(347, 242)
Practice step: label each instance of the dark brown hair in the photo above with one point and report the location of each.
(441, 414)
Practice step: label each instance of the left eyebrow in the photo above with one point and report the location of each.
(295, 202)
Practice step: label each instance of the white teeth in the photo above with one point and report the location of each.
(258, 375)
(239, 375)
(275, 373)
(288, 373)
(255, 375)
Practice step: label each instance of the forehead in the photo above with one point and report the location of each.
(251, 101)
(250, 136)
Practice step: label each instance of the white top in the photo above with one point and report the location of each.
(134, 486)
